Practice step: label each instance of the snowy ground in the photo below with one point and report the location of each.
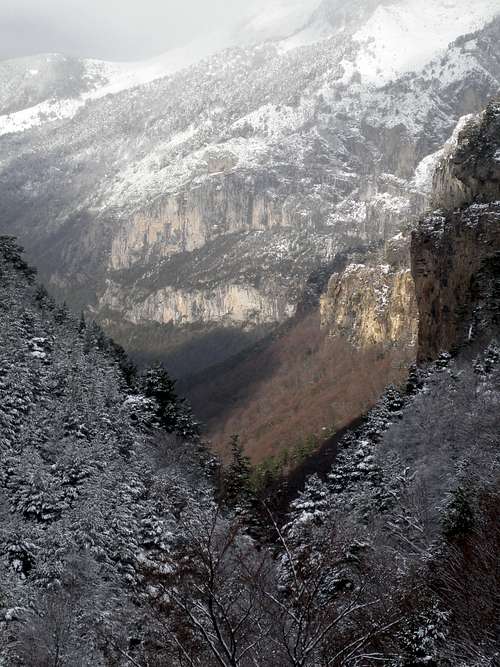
(404, 36)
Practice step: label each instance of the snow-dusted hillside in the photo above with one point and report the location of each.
(51, 87)
(404, 36)
(398, 37)
(207, 184)
(96, 79)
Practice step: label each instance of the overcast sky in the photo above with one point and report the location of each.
(108, 29)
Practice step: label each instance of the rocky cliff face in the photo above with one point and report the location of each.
(224, 305)
(373, 302)
(470, 167)
(221, 205)
(456, 251)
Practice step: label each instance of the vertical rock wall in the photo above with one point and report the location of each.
(456, 250)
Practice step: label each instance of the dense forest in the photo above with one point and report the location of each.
(124, 542)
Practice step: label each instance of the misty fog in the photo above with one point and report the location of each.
(111, 29)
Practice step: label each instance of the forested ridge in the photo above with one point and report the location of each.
(96, 463)
(124, 543)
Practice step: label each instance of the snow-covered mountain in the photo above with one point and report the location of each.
(204, 186)
(398, 37)
(50, 87)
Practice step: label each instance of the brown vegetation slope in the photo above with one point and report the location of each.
(300, 385)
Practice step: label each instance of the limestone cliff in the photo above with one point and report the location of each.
(373, 302)
(227, 304)
(456, 251)
(222, 204)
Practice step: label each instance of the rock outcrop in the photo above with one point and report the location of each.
(373, 302)
(456, 250)
(470, 168)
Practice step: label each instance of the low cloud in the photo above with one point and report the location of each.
(109, 29)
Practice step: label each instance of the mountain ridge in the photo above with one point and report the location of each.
(265, 160)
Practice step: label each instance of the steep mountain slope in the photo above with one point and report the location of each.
(91, 481)
(422, 473)
(456, 251)
(328, 366)
(211, 194)
(322, 369)
(412, 499)
(414, 493)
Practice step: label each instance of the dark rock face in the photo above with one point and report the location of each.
(456, 253)
(472, 172)
(456, 268)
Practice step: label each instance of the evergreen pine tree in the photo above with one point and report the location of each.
(61, 313)
(173, 415)
(157, 384)
(459, 516)
(237, 478)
